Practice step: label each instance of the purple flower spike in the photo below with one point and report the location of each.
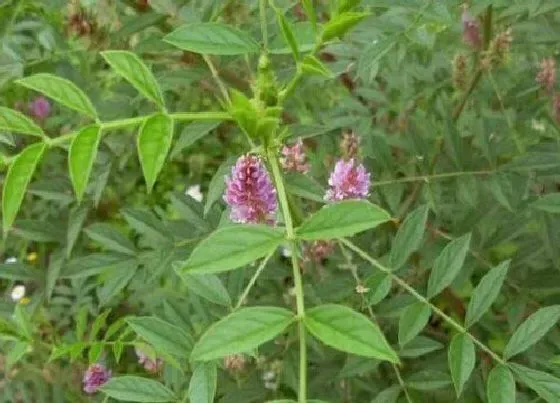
(348, 182)
(250, 192)
(294, 159)
(95, 376)
(40, 108)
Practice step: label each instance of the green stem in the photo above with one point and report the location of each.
(217, 78)
(427, 178)
(298, 282)
(264, 28)
(403, 284)
(252, 281)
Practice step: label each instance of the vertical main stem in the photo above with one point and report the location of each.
(298, 282)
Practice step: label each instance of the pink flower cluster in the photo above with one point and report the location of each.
(294, 159)
(250, 192)
(95, 376)
(349, 180)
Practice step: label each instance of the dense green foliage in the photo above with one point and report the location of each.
(119, 121)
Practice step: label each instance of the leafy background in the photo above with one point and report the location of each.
(100, 274)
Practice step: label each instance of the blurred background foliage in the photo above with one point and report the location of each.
(483, 153)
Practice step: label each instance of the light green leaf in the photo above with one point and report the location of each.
(501, 385)
(461, 358)
(486, 293)
(412, 321)
(18, 177)
(379, 285)
(389, 395)
(304, 186)
(212, 38)
(409, 237)
(110, 238)
(129, 65)
(341, 220)
(310, 11)
(207, 286)
(312, 65)
(532, 330)
(81, 156)
(154, 141)
(163, 336)
(546, 385)
(203, 384)
(288, 33)
(549, 203)
(341, 24)
(347, 330)
(231, 247)
(14, 121)
(137, 389)
(61, 90)
(448, 264)
(241, 331)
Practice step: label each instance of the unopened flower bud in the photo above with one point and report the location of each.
(498, 50)
(546, 76)
(40, 108)
(460, 71)
(350, 145)
(235, 362)
(294, 159)
(317, 251)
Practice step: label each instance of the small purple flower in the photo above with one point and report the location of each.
(95, 376)
(348, 182)
(40, 108)
(294, 159)
(250, 192)
(148, 363)
(471, 29)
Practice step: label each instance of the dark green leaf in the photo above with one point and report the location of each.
(203, 384)
(448, 264)
(110, 238)
(546, 385)
(549, 203)
(191, 134)
(409, 237)
(129, 65)
(61, 90)
(347, 330)
(231, 247)
(207, 286)
(461, 358)
(501, 385)
(154, 141)
(413, 319)
(241, 331)
(137, 389)
(81, 156)
(14, 121)
(532, 330)
(342, 219)
(16, 181)
(163, 336)
(94, 264)
(212, 38)
(486, 293)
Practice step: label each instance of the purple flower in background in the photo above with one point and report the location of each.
(348, 182)
(293, 158)
(40, 108)
(471, 29)
(148, 363)
(250, 192)
(95, 376)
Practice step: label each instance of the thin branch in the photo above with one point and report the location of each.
(252, 281)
